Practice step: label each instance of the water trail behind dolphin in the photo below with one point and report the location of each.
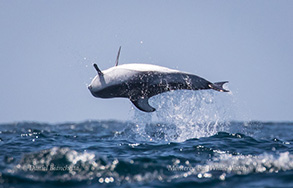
(183, 115)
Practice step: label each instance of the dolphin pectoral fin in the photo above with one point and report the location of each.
(143, 104)
(218, 86)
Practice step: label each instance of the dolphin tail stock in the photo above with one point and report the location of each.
(218, 86)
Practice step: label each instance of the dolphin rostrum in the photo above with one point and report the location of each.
(139, 82)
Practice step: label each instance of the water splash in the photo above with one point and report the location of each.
(185, 115)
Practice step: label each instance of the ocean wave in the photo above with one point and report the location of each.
(67, 165)
(61, 164)
(225, 164)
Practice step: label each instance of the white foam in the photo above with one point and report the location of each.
(236, 164)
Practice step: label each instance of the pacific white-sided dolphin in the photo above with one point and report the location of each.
(139, 82)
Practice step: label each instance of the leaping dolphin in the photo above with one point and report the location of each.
(139, 82)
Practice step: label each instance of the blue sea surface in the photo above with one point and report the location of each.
(179, 146)
(112, 153)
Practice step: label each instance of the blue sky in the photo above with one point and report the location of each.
(47, 49)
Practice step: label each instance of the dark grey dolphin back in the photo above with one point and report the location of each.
(145, 85)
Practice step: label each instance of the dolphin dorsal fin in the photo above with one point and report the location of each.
(117, 58)
(142, 103)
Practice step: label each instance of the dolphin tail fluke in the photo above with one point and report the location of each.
(219, 86)
(143, 104)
